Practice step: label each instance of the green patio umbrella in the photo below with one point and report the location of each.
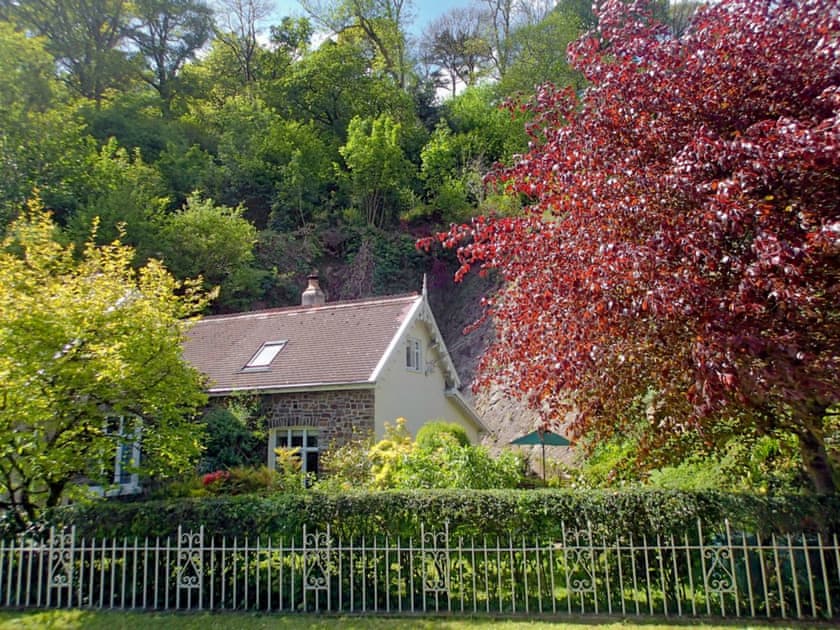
(542, 437)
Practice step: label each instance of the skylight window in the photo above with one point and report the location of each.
(265, 355)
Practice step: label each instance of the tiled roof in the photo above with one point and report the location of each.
(334, 344)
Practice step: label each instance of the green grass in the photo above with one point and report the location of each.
(108, 620)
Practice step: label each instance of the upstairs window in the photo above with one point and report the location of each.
(265, 355)
(412, 354)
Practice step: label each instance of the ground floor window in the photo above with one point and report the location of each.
(306, 439)
(120, 474)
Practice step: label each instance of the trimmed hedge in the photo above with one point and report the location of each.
(531, 513)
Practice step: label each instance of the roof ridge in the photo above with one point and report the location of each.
(326, 306)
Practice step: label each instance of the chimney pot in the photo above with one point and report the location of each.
(313, 295)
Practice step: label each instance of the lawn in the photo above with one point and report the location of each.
(108, 620)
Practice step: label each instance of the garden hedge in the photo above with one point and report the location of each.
(535, 514)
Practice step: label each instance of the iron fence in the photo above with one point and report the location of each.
(721, 574)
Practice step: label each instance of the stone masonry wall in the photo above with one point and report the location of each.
(339, 416)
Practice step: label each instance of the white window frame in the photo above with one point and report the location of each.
(413, 354)
(118, 485)
(264, 357)
(275, 436)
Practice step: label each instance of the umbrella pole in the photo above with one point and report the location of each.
(543, 457)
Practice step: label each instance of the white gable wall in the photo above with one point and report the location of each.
(416, 395)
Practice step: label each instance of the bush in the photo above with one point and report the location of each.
(429, 434)
(539, 514)
(347, 467)
(760, 464)
(441, 457)
(238, 480)
(233, 438)
(450, 464)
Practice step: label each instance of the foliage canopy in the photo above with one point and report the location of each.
(86, 338)
(682, 241)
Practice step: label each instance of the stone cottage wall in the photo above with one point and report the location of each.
(339, 416)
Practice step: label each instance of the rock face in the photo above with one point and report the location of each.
(456, 306)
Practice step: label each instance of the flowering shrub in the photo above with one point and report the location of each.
(216, 477)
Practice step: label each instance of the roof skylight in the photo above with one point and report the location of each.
(265, 355)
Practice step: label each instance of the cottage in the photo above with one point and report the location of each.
(329, 371)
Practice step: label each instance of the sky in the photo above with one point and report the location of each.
(423, 10)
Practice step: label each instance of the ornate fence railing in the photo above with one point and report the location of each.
(724, 574)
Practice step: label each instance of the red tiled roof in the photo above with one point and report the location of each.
(337, 343)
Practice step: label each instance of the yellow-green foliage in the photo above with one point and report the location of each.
(86, 337)
(441, 460)
(429, 434)
(347, 467)
(387, 455)
(287, 460)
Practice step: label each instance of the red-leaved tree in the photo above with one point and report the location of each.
(681, 241)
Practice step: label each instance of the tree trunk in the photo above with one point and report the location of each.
(812, 449)
(56, 490)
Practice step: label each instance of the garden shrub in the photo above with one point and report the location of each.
(287, 477)
(760, 464)
(534, 514)
(446, 463)
(441, 458)
(233, 438)
(429, 434)
(347, 467)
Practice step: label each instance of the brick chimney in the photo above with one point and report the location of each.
(313, 296)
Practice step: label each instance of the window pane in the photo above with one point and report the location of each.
(124, 456)
(412, 354)
(312, 462)
(282, 440)
(312, 439)
(266, 354)
(297, 439)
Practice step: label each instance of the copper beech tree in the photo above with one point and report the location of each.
(681, 237)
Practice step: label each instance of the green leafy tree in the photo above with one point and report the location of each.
(207, 83)
(84, 36)
(381, 23)
(167, 34)
(473, 136)
(216, 243)
(304, 174)
(27, 80)
(187, 169)
(86, 338)
(50, 153)
(335, 83)
(292, 36)
(133, 118)
(280, 169)
(540, 55)
(485, 132)
(379, 172)
(447, 174)
(44, 143)
(125, 199)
